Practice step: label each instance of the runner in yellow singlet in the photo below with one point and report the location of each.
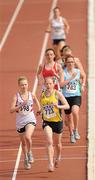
(52, 120)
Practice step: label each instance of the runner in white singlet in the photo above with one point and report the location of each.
(22, 104)
(59, 28)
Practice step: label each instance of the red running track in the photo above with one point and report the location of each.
(20, 55)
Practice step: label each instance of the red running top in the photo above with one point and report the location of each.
(49, 72)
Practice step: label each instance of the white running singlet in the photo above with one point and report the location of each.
(25, 114)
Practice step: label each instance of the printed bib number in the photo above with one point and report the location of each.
(25, 109)
(48, 111)
(58, 29)
(71, 87)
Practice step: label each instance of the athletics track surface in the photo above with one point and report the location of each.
(20, 55)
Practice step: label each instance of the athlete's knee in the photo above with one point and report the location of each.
(28, 138)
(50, 143)
(75, 113)
(23, 143)
(58, 146)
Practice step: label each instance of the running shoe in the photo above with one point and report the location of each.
(57, 161)
(30, 157)
(72, 138)
(76, 134)
(27, 165)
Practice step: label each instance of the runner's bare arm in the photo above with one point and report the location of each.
(67, 27)
(63, 100)
(37, 102)
(39, 72)
(60, 73)
(14, 108)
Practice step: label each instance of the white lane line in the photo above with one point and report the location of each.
(17, 162)
(44, 45)
(2, 42)
(54, 2)
(6, 34)
(10, 25)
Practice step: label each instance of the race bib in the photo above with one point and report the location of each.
(71, 88)
(48, 111)
(57, 29)
(25, 109)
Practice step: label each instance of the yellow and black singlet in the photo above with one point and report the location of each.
(49, 111)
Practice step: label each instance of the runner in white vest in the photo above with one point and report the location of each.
(59, 28)
(22, 104)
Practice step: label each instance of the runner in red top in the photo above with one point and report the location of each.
(51, 69)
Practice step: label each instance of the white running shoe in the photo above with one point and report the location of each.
(72, 138)
(76, 134)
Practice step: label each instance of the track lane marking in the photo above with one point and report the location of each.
(10, 25)
(54, 2)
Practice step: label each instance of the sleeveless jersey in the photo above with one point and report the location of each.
(73, 88)
(49, 111)
(25, 114)
(58, 29)
(50, 73)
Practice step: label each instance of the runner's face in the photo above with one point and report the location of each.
(50, 55)
(56, 12)
(70, 62)
(49, 84)
(23, 85)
